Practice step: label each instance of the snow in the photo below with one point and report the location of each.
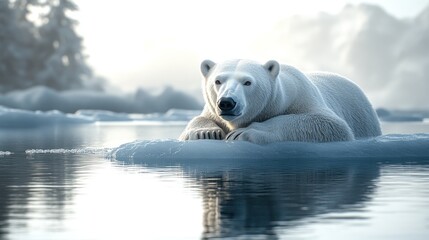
(174, 152)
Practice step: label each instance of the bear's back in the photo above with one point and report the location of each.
(349, 102)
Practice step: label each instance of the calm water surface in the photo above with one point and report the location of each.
(84, 195)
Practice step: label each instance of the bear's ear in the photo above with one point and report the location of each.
(273, 67)
(206, 66)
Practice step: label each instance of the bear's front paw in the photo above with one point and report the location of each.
(205, 133)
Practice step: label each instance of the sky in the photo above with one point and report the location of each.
(153, 44)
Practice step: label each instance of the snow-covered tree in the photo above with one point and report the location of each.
(22, 8)
(60, 49)
(13, 54)
(29, 39)
(47, 52)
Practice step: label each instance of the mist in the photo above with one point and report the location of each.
(385, 55)
(388, 57)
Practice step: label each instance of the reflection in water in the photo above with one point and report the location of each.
(311, 198)
(38, 192)
(256, 201)
(86, 196)
(40, 188)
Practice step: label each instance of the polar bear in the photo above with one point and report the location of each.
(245, 100)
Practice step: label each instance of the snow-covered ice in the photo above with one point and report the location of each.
(86, 150)
(44, 98)
(171, 115)
(5, 153)
(14, 118)
(17, 118)
(173, 152)
(392, 116)
(168, 152)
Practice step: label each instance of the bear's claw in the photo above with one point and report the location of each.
(234, 134)
(250, 135)
(216, 134)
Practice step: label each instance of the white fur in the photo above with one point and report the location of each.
(280, 103)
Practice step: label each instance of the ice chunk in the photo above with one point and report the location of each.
(16, 118)
(177, 152)
(5, 153)
(399, 116)
(44, 98)
(103, 115)
(177, 115)
(23, 118)
(87, 150)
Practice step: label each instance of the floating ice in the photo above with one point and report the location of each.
(87, 150)
(177, 152)
(5, 153)
(171, 115)
(401, 116)
(103, 115)
(23, 118)
(44, 98)
(16, 118)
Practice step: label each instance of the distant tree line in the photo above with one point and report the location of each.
(39, 46)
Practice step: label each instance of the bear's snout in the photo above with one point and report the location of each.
(226, 104)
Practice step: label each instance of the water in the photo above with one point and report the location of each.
(80, 194)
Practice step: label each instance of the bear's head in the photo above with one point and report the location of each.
(238, 91)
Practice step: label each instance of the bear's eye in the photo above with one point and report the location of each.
(217, 82)
(247, 83)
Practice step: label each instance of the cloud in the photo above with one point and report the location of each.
(386, 56)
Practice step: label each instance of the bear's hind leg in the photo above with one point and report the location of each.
(317, 127)
(310, 127)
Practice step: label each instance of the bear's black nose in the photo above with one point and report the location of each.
(226, 103)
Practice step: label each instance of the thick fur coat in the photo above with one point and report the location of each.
(245, 100)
